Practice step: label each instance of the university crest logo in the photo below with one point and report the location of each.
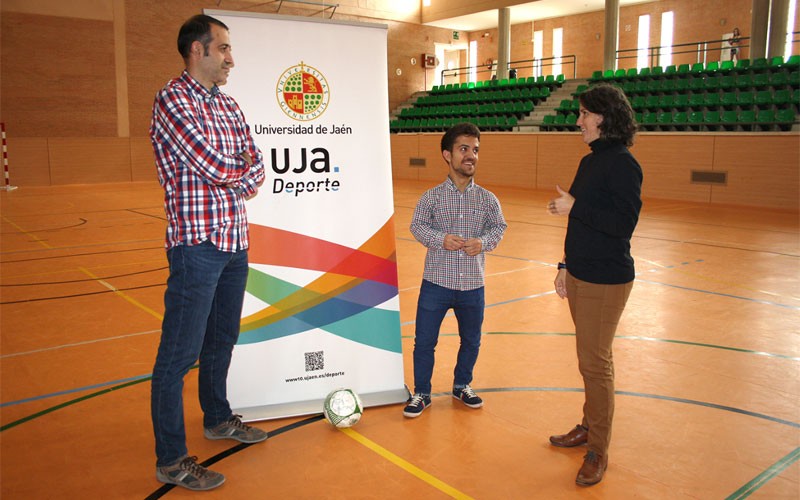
(303, 92)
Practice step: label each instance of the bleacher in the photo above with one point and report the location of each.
(749, 96)
(758, 95)
(491, 104)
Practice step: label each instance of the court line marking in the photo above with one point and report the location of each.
(406, 466)
(122, 294)
(761, 479)
(744, 492)
(28, 234)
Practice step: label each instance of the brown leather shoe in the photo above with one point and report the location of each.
(576, 437)
(594, 466)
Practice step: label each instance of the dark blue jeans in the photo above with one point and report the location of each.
(203, 308)
(434, 302)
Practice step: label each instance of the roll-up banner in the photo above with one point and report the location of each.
(321, 309)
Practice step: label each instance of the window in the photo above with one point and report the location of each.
(558, 36)
(789, 28)
(643, 42)
(473, 60)
(667, 27)
(538, 52)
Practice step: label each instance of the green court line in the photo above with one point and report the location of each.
(761, 479)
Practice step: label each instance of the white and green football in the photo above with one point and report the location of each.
(343, 408)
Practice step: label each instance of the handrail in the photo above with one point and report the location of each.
(700, 48)
(534, 63)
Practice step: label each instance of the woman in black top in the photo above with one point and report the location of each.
(596, 274)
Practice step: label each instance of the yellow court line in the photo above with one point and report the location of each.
(26, 233)
(408, 467)
(122, 294)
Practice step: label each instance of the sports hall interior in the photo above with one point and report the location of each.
(707, 354)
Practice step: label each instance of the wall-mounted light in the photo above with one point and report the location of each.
(486, 34)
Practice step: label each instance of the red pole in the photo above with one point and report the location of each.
(8, 186)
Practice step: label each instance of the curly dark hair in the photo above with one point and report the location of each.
(610, 102)
(456, 131)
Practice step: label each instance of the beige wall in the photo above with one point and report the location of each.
(763, 169)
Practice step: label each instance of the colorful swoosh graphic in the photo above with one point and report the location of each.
(342, 301)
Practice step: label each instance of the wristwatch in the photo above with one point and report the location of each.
(561, 266)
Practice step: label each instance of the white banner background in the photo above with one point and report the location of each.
(270, 373)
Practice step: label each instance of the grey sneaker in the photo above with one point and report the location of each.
(237, 430)
(189, 474)
(468, 397)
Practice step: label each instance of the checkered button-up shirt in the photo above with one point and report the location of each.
(198, 136)
(444, 210)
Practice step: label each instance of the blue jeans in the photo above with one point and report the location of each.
(203, 309)
(434, 302)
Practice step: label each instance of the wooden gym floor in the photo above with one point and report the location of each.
(707, 362)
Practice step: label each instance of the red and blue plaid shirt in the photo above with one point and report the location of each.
(198, 136)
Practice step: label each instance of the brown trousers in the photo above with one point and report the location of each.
(596, 310)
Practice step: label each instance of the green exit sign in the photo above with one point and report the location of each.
(455, 35)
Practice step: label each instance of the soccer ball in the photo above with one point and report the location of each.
(343, 408)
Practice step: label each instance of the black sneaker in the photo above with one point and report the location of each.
(416, 405)
(468, 397)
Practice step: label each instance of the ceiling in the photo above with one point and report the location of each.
(526, 12)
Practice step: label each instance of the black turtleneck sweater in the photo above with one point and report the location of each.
(607, 190)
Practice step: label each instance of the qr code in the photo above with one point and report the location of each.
(315, 361)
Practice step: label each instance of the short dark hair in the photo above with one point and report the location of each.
(610, 102)
(196, 29)
(456, 131)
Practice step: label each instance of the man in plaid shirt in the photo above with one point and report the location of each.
(457, 221)
(208, 165)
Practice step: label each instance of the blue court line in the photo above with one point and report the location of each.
(728, 295)
(79, 389)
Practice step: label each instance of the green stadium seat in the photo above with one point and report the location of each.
(596, 76)
(638, 102)
(760, 65)
(681, 85)
(747, 118)
(763, 99)
(742, 65)
(649, 121)
(644, 73)
(681, 102)
(670, 71)
(727, 82)
(651, 102)
(680, 119)
(712, 67)
(684, 69)
(697, 68)
(744, 81)
(782, 98)
(695, 120)
(776, 63)
(730, 120)
(697, 101)
(656, 72)
(726, 66)
(712, 83)
(761, 80)
(697, 84)
(745, 99)
(729, 100)
(711, 119)
(665, 102)
(793, 62)
(765, 119)
(572, 121)
(631, 75)
(785, 116)
(712, 100)
(778, 79)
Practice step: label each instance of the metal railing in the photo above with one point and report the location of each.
(537, 65)
(701, 49)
